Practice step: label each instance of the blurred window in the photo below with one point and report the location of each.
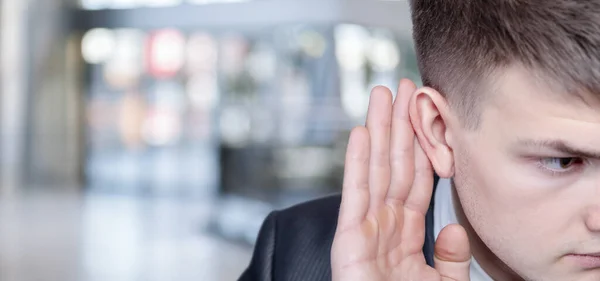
(259, 112)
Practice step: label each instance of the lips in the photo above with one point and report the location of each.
(585, 261)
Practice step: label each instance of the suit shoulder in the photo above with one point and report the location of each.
(316, 218)
(304, 236)
(322, 209)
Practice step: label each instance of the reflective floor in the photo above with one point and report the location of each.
(64, 237)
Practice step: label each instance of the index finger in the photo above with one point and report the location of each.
(355, 192)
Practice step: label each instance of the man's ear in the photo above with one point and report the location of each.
(430, 115)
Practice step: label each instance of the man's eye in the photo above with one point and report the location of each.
(558, 164)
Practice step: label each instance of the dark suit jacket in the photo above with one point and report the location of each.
(295, 244)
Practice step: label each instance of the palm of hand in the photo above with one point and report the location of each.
(379, 252)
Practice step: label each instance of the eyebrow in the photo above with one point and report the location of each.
(560, 146)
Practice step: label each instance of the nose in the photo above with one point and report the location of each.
(593, 219)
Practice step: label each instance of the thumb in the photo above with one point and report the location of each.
(453, 254)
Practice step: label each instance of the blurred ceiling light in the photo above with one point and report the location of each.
(124, 68)
(164, 125)
(98, 45)
(350, 46)
(161, 128)
(355, 101)
(384, 54)
(235, 126)
(166, 53)
(202, 90)
(354, 104)
(262, 63)
(313, 43)
(202, 53)
(122, 75)
(129, 43)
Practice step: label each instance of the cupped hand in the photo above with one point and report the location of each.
(388, 184)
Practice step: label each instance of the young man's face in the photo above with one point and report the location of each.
(527, 192)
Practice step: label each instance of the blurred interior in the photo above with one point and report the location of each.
(148, 139)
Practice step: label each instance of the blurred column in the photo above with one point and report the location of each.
(55, 116)
(40, 102)
(12, 93)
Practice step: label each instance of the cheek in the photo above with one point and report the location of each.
(494, 204)
(478, 194)
(511, 220)
(486, 177)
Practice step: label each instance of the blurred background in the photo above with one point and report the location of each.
(148, 139)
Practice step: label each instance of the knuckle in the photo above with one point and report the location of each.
(400, 154)
(359, 185)
(380, 158)
(360, 158)
(401, 183)
(384, 123)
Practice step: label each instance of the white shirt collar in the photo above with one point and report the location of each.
(444, 214)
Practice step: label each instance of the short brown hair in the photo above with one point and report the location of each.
(461, 42)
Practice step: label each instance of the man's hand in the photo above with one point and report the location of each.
(388, 184)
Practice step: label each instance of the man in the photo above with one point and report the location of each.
(509, 119)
